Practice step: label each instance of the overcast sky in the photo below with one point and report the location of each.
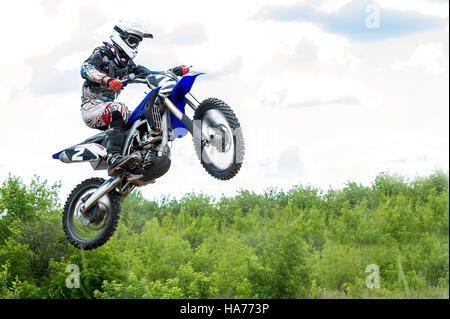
(326, 91)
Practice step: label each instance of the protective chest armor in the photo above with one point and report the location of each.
(112, 68)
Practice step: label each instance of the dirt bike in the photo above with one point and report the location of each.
(92, 210)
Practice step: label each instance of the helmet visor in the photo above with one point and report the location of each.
(133, 41)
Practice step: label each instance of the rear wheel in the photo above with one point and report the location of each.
(223, 153)
(93, 229)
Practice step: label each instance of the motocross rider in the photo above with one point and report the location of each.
(102, 72)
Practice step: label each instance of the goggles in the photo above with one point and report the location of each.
(131, 39)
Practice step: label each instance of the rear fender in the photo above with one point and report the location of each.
(81, 153)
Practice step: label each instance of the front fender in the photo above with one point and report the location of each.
(182, 88)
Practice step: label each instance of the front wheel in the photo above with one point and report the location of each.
(221, 150)
(93, 229)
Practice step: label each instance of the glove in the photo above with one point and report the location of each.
(180, 70)
(114, 84)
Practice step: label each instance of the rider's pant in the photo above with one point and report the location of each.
(97, 113)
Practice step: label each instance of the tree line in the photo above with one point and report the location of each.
(300, 243)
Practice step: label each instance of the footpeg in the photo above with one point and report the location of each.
(127, 164)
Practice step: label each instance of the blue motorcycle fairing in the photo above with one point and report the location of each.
(139, 111)
(177, 97)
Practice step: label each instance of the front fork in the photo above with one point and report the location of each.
(104, 189)
(194, 127)
(191, 101)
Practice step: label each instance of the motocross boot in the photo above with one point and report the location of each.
(114, 141)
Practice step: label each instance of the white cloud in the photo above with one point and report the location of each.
(4, 95)
(429, 56)
(428, 7)
(330, 6)
(293, 90)
(365, 114)
(71, 62)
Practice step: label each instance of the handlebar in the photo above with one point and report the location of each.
(127, 79)
(138, 78)
(133, 78)
(141, 78)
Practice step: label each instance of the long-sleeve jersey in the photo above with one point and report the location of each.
(100, 64)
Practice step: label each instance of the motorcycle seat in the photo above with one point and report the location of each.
(97, 138)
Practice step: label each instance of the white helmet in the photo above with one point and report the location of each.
(127, 36)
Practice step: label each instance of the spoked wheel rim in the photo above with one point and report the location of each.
(88, 226)
(222, 158)
(220, 148)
